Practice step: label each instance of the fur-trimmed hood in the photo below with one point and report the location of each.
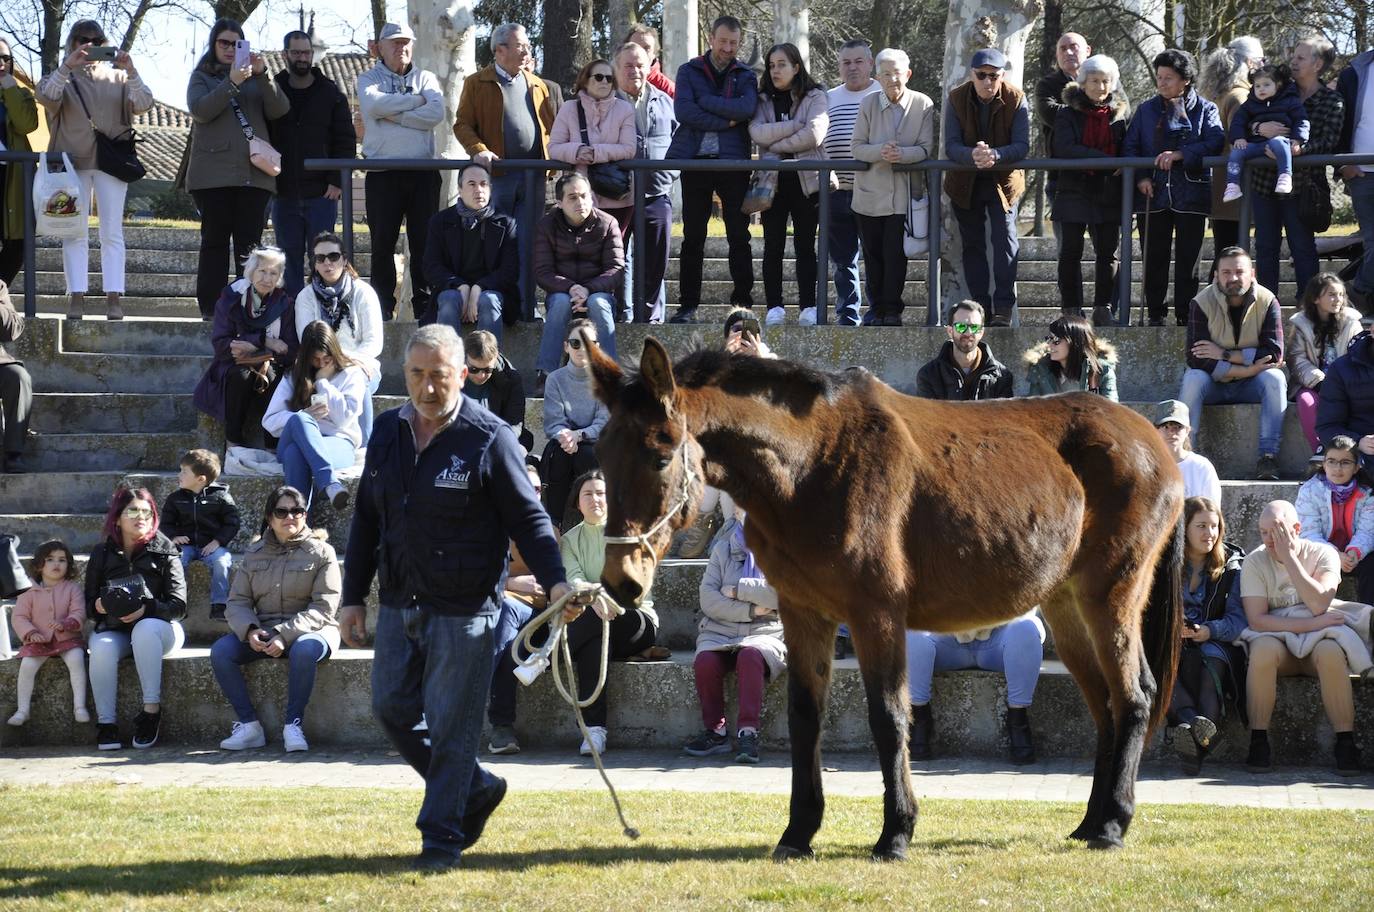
(1074, 96)
(1106, 352)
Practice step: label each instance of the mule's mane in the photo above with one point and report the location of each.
(783, 383)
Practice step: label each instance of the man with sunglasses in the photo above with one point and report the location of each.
(494, 382)
(965, 369)
(987, 125)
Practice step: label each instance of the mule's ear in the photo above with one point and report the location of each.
(606, 374)
(656, 370)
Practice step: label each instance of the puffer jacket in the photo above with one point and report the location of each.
(208, 516)
(159, 565)
(701, 107)
(1347, 400)
(729, 623)
(1043, 382)
(1313, 504)
(800, 136)
(591, 254)
(291, 587)
(1086, 197)
(1154, 128)
(1305, 360)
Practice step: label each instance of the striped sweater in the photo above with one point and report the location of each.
(844, 110)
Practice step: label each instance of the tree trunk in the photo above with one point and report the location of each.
(50, 42)
(445, 44)
(681, 37)
(135, 23)
(567, 39)
(622, 16)
(378, 17)
(880, 25)
(238, 10)
(792, 24)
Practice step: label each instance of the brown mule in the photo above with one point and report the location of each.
(888, 512)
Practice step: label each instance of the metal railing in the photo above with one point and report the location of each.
(27, 162)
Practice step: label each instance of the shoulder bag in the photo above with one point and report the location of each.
(260, 152)
(607, 178)
(116, 156)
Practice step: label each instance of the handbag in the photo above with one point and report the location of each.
(260, 152)
(115, 155)
(125, 595)
(607, 178)
(13, 578)
(1313, 199)
(916, 233)
(759, 197)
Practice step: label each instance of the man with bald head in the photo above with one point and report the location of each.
(1298, 627)
(1069, 53)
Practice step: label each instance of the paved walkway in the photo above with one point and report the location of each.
(845, 774)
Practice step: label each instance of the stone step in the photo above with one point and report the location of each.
(652, 705)
(145, 451)
(148, 237)
(112, 413)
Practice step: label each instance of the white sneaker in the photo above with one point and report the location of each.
(244, 736)
(808, 317)
(81, 714)
(1232, 193)
(597, 734)
(1283, 184)
(338, 495)
(294, 738)
(775, 316)
(19, 718)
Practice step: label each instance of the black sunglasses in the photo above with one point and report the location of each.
(6, 59)
(282, 512)
(480, 370)
(602, 77)
(89, 39)
(987, 77)
(328, 257)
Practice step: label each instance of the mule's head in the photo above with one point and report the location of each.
(652, 467)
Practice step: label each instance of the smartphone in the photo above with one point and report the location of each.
(243, 54)
(101, 52)
(751, 326)
(319, 399)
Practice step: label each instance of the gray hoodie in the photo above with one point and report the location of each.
(399, 112)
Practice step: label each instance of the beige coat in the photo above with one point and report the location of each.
(880, 190)
(1304, 360)
(801, 136)
(293, 587)
(112, 97)
(219, 150)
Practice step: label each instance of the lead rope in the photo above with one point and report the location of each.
(556, 646)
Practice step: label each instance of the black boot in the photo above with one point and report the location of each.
(1019, 734)
(918, 733)
(1347, 755)
(1260, 759)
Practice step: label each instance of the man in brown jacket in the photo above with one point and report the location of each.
(16, 387)
(987, 125)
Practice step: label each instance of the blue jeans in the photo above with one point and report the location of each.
(508, 196)
(1361, 191)
(229, 654)
(218, 562)
(1015, 649)
(1283, 157)
(306, 454)
(558, 313)
(489, 307)
(844, 257)
(973, 224)
(296, 222)
(1269, 388)
(365, 419)
(1275, 217)
(436, 668)
(514, 615)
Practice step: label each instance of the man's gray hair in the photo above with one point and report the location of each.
(896, 55)
(855, 43)
(1103, 66)
(442, 338)
(501, 35)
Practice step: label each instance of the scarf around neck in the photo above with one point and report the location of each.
(334, 300)
(750, 570)
(259, 312)
(1340, 493)
(470, 217)
(1097, 129)
(596, 109)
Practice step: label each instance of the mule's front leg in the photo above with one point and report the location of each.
(810, 651)
(881, 651)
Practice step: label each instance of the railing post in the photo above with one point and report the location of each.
(528, 307)
(638, 179)
(1127, 258)
(823, 251)
(935, 236)
(26, 170)
(1243, 224)
(346, 184)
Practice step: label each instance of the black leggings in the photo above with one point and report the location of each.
(560, 470)
(790, 202)
(631, 633)
(1197, 689)
(244, 407)
(227, 214)
(1106, 238)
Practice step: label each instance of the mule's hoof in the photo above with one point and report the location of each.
(1105, 843)
(785, 853)
(1082, 834)
(892, 854)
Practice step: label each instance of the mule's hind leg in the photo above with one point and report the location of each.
(880, 644)
(810, 650)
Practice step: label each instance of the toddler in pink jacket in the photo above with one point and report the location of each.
(48, 619)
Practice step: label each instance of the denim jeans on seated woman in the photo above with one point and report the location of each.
(558, 313)
(229, 654)
(307, 455)
(1015, 649)
(449, 310)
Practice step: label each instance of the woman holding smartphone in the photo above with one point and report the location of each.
(96, 87)
(18, 118)
(228, 98)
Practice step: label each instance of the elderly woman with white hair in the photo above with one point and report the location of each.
(894, 126)
(1225, 81)
(255, 342)
(1091, 124)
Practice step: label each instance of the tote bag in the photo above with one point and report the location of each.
(60, 206)
(916, 237)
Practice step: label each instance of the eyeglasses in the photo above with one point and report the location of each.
(6, 59)
(967, 329)
(1053, 340)
(986, 77)
(480, 370)
(283, 513)
(1340, 463)
(333, 257)
(602, 77)
(226, 44)
(138, 512)
(575, 343)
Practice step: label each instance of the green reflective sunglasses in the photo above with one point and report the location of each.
(968, 329)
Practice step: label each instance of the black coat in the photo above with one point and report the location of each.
(940, 379)
(503, 394)
(500, 260)
(1346, 405)
(1087, 197)
(319, 125)
(1215, 594)
(160, 568)
(208, 516)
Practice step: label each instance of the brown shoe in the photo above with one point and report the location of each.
(76, 309)
(113, 310)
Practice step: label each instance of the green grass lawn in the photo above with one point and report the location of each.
(130, 847)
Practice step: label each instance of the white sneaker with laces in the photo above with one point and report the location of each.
(19, 718)
(338, 495)
(807, 317)
(244, 736)
(293, 737)
(597, 734)
(775, 316)
(1283, 184)
(1232, 193)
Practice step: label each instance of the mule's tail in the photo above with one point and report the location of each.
(1162, 625)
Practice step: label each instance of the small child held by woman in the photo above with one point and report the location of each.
(1273, 99)
(1335, 506)
(48, 619)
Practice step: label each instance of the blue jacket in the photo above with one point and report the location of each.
(654, 143)
(703, 108)
(435, 527)
(1346, 405)
(1284, 108)
(1352, 83)
(1186, 187)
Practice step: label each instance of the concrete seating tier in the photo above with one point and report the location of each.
(653, 705)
